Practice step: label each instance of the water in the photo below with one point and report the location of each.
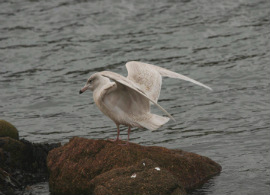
(49, 48)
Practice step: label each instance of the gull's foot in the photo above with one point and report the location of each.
(114, 140)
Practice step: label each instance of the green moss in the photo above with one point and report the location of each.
(8, 130)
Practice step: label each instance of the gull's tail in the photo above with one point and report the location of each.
(154, 122)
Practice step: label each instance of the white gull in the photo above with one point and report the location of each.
(126, 100)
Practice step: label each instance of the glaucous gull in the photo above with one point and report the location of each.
(126, 100)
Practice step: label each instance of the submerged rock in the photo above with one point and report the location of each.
(99, 167)
(8, 130)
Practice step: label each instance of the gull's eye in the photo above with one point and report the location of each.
(90, 80)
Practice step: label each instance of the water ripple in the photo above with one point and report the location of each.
(49, 48)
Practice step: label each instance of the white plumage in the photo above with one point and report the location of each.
(126, 100)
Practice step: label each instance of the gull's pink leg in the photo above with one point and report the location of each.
(118, 133)
(127, 142)
(129, 128)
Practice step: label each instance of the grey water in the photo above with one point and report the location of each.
(48, 49)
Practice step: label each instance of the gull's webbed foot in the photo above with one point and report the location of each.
(114, 140)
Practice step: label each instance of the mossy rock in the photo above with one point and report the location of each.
(8, 130)
(17, 153)
(22, 163)
(87, 166)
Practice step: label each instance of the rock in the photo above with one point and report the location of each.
(85, 166)
(8, 184)
(24, 155)
(22, 163)
(8, 130)
(142, 178)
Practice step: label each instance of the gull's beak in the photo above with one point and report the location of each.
(84, 89)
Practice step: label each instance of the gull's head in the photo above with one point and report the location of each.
(92, 83)
(95, 81)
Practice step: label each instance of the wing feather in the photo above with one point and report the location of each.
(167, 73)
(149, 77)
(119, 79)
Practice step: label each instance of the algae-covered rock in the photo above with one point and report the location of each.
(22, 163)
(24, 155)
(143, 178)
(14, 153)
(97, 166)
(8, 130)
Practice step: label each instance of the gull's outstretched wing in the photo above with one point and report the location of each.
(146, 77)
(121, 80)
(149, 77)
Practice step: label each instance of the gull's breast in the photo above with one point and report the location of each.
(124, 106)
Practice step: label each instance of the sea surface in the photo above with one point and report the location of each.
(48, 49)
